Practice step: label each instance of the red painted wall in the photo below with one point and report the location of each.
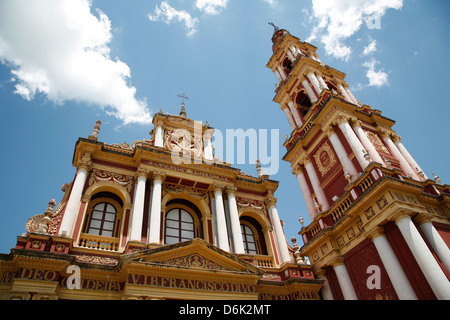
(358, 261)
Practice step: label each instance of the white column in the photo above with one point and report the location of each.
(322, 82)
(344, 93)
(208, 148)
(398, 143)
(315, 82)
(435, 239)
(427, 263)
(326, 290)
(235, 224)
(159, 134)
(350, 94)
(277, 74)
(155, 211)
(311, 94)
(137, 216)
(282, 73)
(221, 224)
(374, 155)
(396, 153)
(344, 280)
(279, 233)
(318, 191)
(295, 113)
(393, 268)
(305, 192)
(290, 55)
(289, 117)
(346, 163)
(73, 204)
(355, 144)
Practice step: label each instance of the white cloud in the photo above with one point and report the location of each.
(272, 3)
(211, 7)
(60, 49)
(337, 20)
(376, 78)
(371, 48)
(168, 14)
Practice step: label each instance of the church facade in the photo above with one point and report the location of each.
(163, 218)
(159, 219)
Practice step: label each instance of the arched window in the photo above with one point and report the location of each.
(287, 65)
(249, 240)
(179, 226)
(303, 103)
(103, 219)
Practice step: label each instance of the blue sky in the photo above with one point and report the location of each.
(66, 64)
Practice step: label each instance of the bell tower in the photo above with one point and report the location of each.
(368, 200)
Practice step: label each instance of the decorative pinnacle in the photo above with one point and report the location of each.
(258, 168)
(94, 134)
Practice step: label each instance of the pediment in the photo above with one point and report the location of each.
(196, 254)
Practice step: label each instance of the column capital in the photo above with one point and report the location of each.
(402, 215)
(423, 218)
(384, 133)
(231, 190)
(338, 261)
(375, 233)
(355, 122)
(341, 118)
(158, 175)
(218, 187)
(271, 201)
(330, 131)
(284, 107)
(85, 162)
(396, 138)
(305, 160)
(159, 123)
(297, 169)
(142, 172)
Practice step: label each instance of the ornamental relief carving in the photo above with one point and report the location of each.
(325, 159)
(181, 141)
(101, 175)
(33, 224)
(244, 202)
(189, 171)
(193, 261)
(193, 192)
(376, 141)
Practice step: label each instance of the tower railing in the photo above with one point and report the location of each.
(372, 175)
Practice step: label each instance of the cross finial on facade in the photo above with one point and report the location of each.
(183, 97)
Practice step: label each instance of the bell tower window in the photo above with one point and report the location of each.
(287, 66)
(303, 103)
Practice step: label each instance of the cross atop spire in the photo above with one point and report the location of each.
(274, 27)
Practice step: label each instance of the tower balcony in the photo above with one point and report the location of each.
(370, 183)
